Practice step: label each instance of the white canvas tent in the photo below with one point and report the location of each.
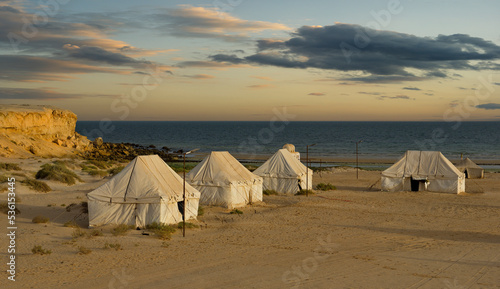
(284, 173)
(471, 170)
(223, 181)
(291, 149)
(147, 190)
(423, 171)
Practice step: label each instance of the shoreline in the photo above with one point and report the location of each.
(341, 160)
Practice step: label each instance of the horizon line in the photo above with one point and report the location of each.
(444, 121)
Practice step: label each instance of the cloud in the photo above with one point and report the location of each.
(259, 86)
(139, 52)
(210, 64)
(317, 93)
(489, 106)
(453, 103)
(38, 69)
(200, 76)
(411, 88)
(496, 83)
(387, 56)
(369, 93)
(66, 47)
(9, 9)
(41, 94)
(404, 97)
(227, 58)
(189, 21)
(98, 54)
(263, 78)
(382, 79)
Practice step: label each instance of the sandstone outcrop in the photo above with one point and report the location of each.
(39, 130)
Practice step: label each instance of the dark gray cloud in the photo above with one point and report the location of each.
(489, 106)
(41, 94)
(386, 56)
(404, 97)
(411, 88)
(208, 64)
(317, 93)
(370, 93)
(98, 54)
(383, 78)
(496, 83)
(437, 74)
(465, 88)
(9, 9)
(227, 58)
(31, 68)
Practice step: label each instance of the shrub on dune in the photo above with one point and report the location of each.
(325, 187)
(162, 231)
(36, 185)
(57, 172)
(121, 230)
(304, 192)
(40, 220)
(37, 249)
(269, 192)
(10, 167)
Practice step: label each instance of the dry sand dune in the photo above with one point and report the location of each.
(353, 237)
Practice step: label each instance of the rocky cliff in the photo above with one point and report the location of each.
(42, 121)
(27, 130)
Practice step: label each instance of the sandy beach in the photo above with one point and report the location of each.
(122, 123)
(354, 237)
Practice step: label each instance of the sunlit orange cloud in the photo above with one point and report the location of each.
(200, 76)
(263, 78)
(138, 52)
(259, 86)
(211, 20)
(119, 47)
(101, 42)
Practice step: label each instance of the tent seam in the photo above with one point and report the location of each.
(129, 181)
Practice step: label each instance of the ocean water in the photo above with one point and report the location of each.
(380, 140)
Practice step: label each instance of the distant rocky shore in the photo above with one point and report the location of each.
(101, 150)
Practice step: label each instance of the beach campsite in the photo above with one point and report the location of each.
(249, 144)
(106, 231)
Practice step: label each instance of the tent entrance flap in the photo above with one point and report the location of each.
(417, 184)
(180, 206)
(414, 185)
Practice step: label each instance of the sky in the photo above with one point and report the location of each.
(244, 60)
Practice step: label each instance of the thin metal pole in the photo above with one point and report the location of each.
(307, 171)
(357, 166)
(184, 197)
